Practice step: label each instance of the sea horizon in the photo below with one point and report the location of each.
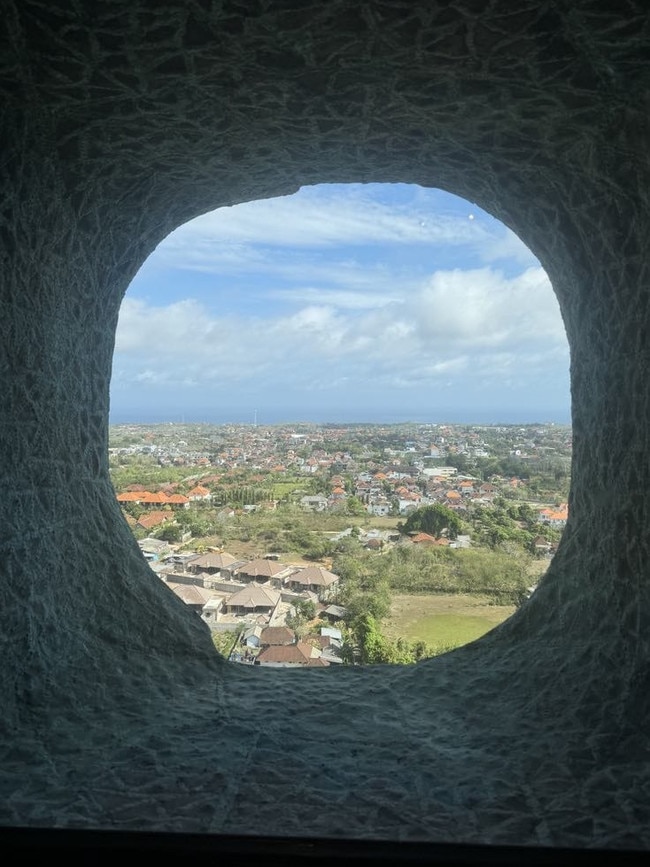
(277, 417)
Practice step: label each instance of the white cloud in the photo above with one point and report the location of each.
(350, 290)
(340, 299)
(483, 309)
(298, 276)
(508, 247)
(461, 326)
(302, 239)
(317, 218)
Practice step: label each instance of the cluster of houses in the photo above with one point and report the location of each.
(279, 647)
(160, 505)
(250, 597)
(392, 490)
(402, 489)
(398, 490)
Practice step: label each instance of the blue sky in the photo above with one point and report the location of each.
(342, 302)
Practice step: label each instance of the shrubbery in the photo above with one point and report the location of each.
(503, 576)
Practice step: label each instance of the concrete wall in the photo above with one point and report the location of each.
(123, 119)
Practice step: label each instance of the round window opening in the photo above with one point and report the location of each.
(340, 423)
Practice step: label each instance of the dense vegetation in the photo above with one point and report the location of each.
(433, 520)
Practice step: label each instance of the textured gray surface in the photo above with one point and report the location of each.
(120, 121)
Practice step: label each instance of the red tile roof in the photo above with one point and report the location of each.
(300, 654)
(153, 519)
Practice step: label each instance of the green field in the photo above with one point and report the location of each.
(286, 488)
(443, 621)
(449, 630)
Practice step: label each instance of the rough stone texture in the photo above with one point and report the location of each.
(123, 119)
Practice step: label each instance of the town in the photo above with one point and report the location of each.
(304, 544)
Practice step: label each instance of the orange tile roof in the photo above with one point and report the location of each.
(557, 516)
(198, 491)
(148, 497)
(153, 519)
(423, 537)
(177, 499)
(128, 497)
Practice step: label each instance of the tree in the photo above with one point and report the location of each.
(225, 642)
(170, 533)
(304, 611)
(371, 644)
(373, 648)
(306, 608)
(462, 462)
(354, 506)
(433, 520)
(318, 549)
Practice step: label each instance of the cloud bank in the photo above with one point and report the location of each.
(361, 291)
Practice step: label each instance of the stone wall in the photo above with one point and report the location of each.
(123, 119)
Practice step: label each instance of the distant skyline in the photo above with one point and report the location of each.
(342, 302)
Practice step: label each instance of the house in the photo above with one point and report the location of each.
(334, 613)
(291, 656)
(199, 493)
(379, 506)
(332, 633)
(178, 501)
(408, 503)
(314, 502)
(253, 599)
(441, 472)
(555, 517)
(264, 570)
(146, 498)
(193, 596)
(330, 643)
(212, 608)
(251, 636)
(179, 562)
(154, 519)
(211, 563)
(153, 549)
(315, 579)
(129, 497)
(427, 539)
(277, 636)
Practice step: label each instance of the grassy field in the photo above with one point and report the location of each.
(282, 489)
(443, 621)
